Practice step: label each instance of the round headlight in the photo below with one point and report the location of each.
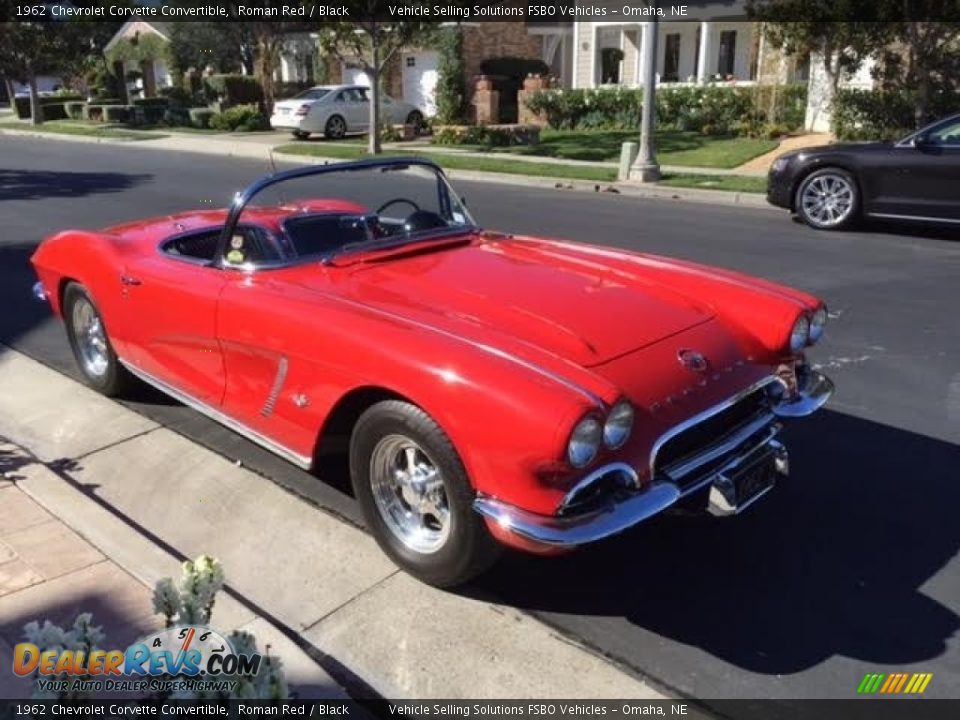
(618, 425)
(800, 334)
(584, 442)
(817, 324)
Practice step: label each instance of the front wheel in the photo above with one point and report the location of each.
(828, 199)
(416, 497)
(336, 128)
(91, 346)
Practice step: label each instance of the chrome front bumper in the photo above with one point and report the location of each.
(755, 440)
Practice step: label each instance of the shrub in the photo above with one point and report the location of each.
(242, 118)
(117, 113)
(177, 117)
(489, 135)
(233, 89)
(176, 96)
(51, 107)
(200, 117)
(76, 110)
(451, 69)
(152, 102)
(710, 109)
(881, 114)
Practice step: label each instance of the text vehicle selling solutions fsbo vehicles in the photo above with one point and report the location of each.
(490, 389)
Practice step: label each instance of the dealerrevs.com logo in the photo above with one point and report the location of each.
(894, 683)
(198, 657)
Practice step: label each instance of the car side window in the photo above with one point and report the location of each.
(341, 96)
(947, 135)
(361, 94)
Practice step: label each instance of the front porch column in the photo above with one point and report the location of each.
(705, 53)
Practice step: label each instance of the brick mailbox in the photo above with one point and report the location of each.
(532, 84)
(486, 102)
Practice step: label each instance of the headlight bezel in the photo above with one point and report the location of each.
(779, 164)
(818, 324)
(799, 336)
(620, 410)
(588, 437)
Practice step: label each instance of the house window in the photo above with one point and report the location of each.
(671, 58)
(696, 54)
(728, 52)
(801, 71)
(411, 61)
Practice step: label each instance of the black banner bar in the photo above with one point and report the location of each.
(854, 709)
(537, 12)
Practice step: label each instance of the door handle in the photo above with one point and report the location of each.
(129, 280)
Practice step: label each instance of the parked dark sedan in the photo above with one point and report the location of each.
(832, 186)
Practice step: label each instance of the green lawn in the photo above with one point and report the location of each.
(730, 183)
(673, 148)
(456, 162)
(77, 127)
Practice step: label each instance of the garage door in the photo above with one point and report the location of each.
(420, 80)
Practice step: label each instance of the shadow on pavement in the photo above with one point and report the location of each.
(831, 563)
(35, 184)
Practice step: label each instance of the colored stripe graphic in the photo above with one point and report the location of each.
(895, 683)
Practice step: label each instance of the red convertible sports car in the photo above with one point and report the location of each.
(491, 389)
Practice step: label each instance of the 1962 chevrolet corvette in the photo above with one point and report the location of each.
(491, 389)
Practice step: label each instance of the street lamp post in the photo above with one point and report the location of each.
(645, 168)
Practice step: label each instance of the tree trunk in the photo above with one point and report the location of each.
(374, 145)
(11, 91)
(36, 112)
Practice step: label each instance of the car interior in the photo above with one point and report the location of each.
(249, 244)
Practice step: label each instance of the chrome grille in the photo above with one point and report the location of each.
(689, 454)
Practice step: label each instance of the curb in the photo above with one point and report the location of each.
(263, 152)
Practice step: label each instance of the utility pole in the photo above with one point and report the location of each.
(645, 168)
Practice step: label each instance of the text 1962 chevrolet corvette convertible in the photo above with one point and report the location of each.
(492, 389)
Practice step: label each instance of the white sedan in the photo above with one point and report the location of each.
(336, 110)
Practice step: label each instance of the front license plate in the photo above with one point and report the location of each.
(734, 490)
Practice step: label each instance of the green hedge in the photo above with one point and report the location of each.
(883, 115)
(75, 110)
(50, 107)
(233, 89)
(200, 117)
(241, 118)
(152, 102)
(490, 135)
(710, 109)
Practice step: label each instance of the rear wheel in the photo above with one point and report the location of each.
(828, 199)
(336, 128)
(301, 134)
(90, 344)
(416, 497)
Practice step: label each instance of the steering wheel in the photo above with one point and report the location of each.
(388, 203)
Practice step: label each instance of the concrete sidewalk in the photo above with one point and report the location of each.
(130, 499)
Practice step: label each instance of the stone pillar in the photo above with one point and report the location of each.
(486, 102)
(531, 84)
(705, 58)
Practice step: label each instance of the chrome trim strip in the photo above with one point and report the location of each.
(718, 503)
(278, 382)
(706, 414)
(39, 292)
(683, 467)
(579, 529)
(594, 477)
(286, 453)
(922, 218)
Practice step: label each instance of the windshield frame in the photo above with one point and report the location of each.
(243, 198)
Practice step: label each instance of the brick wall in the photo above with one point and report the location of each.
(501, 39)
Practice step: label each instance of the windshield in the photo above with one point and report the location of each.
(323, 212)
(311, 94)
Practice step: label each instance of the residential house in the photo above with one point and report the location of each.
(713, 41)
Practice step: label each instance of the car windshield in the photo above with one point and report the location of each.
(311, 94)
(324, 212)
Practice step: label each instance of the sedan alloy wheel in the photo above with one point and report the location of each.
(828, 199)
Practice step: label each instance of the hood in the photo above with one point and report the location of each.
(508, 293)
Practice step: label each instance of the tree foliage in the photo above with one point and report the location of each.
(451, 71)
(200, 45)
(370, 44)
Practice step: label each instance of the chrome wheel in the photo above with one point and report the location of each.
(409, 493)
(90, 338)
(827, 200)
(336, 127)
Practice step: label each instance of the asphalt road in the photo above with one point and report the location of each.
(849, 568)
